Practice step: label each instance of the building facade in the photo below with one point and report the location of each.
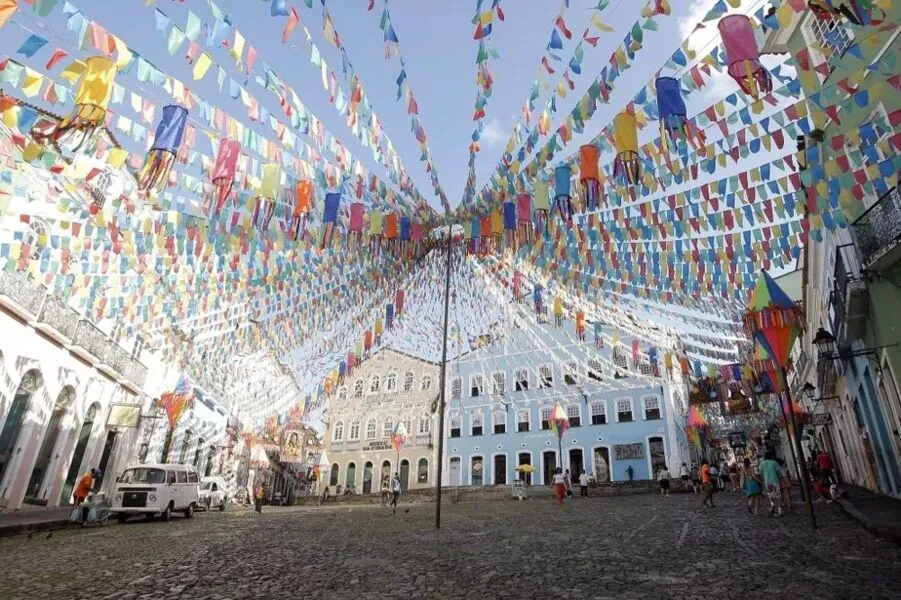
(389, 388)
(499, 405)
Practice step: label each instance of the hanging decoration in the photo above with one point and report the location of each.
(223, 175)
(158, 163)
(562, 193)
(773, 319)
(675, 128)
(303, 204)
(391, 232)
(404, 236)
(743, 56)
(859, 12)
(524, 215)
(329, 219)
(268, 197)
(627, 166)
(376, 227)
(589, 175)
(509, 225)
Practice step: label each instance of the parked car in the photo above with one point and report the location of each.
(212, 493)
(156, 489)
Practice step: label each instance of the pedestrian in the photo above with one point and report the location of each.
(630, 472)
(663, 477)
(684, 475)
(261, 493)
(772, 480)
(714, 476)
(695, 480)
(824, 465)
(559, 485)
(707, 483)
(569, 484)
(752, 487)
(733, 476)
(785, 484)
(83, 488)
(583, 484)
(395, 491)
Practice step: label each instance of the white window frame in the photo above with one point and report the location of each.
(456, 388)
(527, 420)
(338, 433)
(354, 434)
(498, 417)
(408, 381)
(631, 409)
(571, 369)
(476, 381)
(521, 376)
(391, 382)
(375, 384)
(499, 383)
(603, 411)
(373, 431)
(359, 387)
(425, 425)
(545, 411)
(342, 393)
(476, 420)
(570, 408)
(594, 369)
(543, 380)
(456, 422)
(426, 383)
(644, 407)
(387, 428)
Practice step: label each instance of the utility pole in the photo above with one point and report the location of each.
(442, 380)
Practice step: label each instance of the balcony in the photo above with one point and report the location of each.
(57, 320)
(877, 233)
(20, 296)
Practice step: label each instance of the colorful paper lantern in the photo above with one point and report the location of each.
(399, 436)
(524, 216)
(743, 56)
(303, 204)
(223, 174)
(329, 218)
(159, 160)
(391, 231)
(399, 301)
(563, 192)
(355, 226)
(509, 216)
(376, 228)
(674, 124)
(589, 175)
(266, 201)
(772, 320)
(626, 166)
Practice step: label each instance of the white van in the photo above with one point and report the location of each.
(156, 490)
(212, 493)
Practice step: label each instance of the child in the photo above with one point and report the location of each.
(753, 488)
(663, 477)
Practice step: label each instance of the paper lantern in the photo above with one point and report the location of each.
(376, 227)
(742, 55)
(486, 231)
(524, 216)
(563, 193)
(93, 96)
(159, 160)
(404, 236)
(399, 436)
(389, 315)
(509, 225)
(266, 201)
(391, 231)
(367, 341)
(589, 175)
(536, 299)
(351, 362)
(674, 124)
(303, 204)
(329, 218)
(626, 166)
(399, 301)
(772, 320)
(517, 286)
(475, 235)
(416, 235)
(355, 226)
(223, 174)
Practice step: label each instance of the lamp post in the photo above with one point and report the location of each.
(442, 379)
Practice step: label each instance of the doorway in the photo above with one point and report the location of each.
(84, 436)
(367, 477)
(576, 464)
(602, 467)
(404, 475)
(210, 457)
(350, 477)
(9, 436)
(108, 446)
(45, 454)
(549, 457)
(453, 472)
(333, 476)
(386, 470)
(476, 470)
(525, 459)
(500, 469)
(658, 455)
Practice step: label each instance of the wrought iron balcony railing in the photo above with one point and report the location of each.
(877, 232)
(60, 317)
(28, 295)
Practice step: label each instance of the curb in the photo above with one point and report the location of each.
(14, 530)
(865, 522)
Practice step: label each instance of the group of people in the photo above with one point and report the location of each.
(563, 484)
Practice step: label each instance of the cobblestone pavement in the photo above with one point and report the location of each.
(614, 547)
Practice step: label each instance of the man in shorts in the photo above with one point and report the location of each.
(684, 476)
(771, 472)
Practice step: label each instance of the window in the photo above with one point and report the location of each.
(456, 388)
(170, 477)
(422, 471)
(370, 429)
(426, 383)
(570, 373)
(831, 34)
(475, 386)
(455, 426)
(545, 418)
(338, 435)
(425, 425)
(354, 431)
(574, 415)
(651, 408)
(624, 410)
(387, 428)
(408, 381)
(499, 421)
(498, 383)
(358, 388)
(374, 385)
(594, 369)
(619, 359)
(391, 382)
(37, 237)
(192, 476)
(476, 422)
(342, 393)
(522, 380)
(598, 413)
(522, 420)
(333, 476)
(545, 376)
(644, 368)
(182, 476)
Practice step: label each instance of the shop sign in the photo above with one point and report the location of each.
(376, 446)
(821, 419)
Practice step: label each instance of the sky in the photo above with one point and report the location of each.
(436, 42)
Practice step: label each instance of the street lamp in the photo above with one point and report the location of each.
(826, 346)
(825, 343)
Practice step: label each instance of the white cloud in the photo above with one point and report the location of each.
(492, 134)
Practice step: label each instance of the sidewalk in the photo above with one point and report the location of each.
(881, 515)
(33, 519)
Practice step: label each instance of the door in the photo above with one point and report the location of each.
(576, 464)
(108, 447)
(500, 469)
(386, 472)
(602, 467)
(367, 478)
(476, 467)
(9, 436)
(45, 454)
(84, 436)
(404, 474)
(525, 459)
(350, 477)
(453, 471)
(658, 455)
(550, 464)
(182, 490)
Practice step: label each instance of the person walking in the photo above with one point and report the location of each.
(785, 484)
(385, 490)
(569, 484)
(733, 476)
(583, 484)
(752, 487)
(684, 475)
(707, 483)
(772, 481)
(83, 488)
(824, 466)
(395, 491)
(559, 485)
(261, 493)
(663, 477)
(714, 476)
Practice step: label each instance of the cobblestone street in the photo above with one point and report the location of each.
(621, 547)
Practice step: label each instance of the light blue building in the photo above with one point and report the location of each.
(500, 397)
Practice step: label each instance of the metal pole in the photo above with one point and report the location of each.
(441, 386)
(801, 464)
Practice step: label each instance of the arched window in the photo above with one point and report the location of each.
(408, 381)
(338, 436)
(387, 428)
(374, 385)
(370, 429)
(350, 476)
(422, 471)
(426, 383)
(333, 476)
(354, 431)
(391, 382)
(358, 388)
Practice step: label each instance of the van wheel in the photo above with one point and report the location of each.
(189, 512)
(122, 517)
(166, 514)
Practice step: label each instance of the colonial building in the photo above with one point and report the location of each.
(385, 390)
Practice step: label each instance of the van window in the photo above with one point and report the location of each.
(143, 475)
(182, 477)
(170, 477)
(192, 476)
